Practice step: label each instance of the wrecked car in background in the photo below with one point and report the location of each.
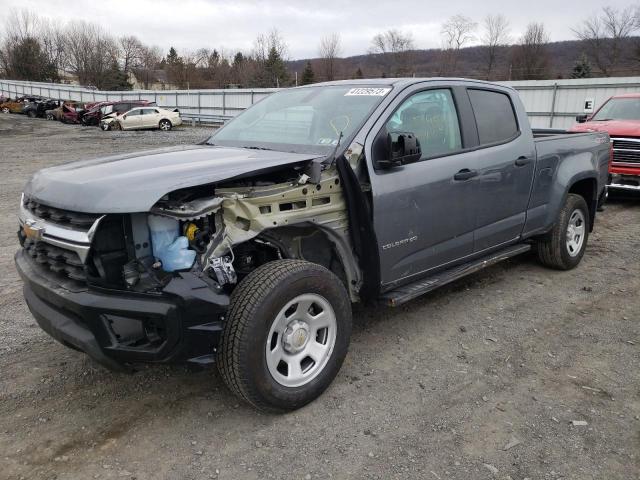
(94, 115)
(68, 112)
(249, 249)
(17, 105)
(39, 107)
(140, 118)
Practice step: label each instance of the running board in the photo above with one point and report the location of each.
(408, 292)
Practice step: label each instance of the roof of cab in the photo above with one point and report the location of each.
(405, 81)
(627, 95)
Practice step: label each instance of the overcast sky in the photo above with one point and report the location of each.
(233, 25)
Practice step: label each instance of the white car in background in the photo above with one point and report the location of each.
(143, 117)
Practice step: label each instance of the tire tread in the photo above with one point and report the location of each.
(245, 300)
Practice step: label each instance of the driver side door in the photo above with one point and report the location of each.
(423, 212)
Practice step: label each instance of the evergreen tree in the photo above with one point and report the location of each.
(115, 79)
(307, 75)
(172, 57)
(582, 68)
(358, 73)
(275, 70)
(29, 62)
(238, 60)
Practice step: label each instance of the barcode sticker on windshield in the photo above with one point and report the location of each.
(373, 92)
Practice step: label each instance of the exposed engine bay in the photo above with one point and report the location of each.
(226, 231)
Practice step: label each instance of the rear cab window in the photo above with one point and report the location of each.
(495, 116)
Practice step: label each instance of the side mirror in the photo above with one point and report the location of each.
(582, 118)
(402, 148)
(124, 117)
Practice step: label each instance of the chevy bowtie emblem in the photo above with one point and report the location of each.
(32, 231)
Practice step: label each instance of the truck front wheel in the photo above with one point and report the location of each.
(286, 335)
(564, 246)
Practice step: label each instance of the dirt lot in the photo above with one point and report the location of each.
(480, 380)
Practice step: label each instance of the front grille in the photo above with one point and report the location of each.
(60, 216)
(58, 260)
(626, 150)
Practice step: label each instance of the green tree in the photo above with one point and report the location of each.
(28, 62)
(172, 57)
(582, 68)
(114, 79)
(275, 69)
(307, 75)
(358, 73)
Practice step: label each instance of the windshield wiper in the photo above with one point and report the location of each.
(603, 120)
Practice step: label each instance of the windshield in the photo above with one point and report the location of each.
(619, 109)
(302, 120)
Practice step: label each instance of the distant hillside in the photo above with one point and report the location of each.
(472, 62)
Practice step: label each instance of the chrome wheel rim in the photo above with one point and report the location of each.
(301, 340)
(575, 232)
(5, 110)
(164, 126)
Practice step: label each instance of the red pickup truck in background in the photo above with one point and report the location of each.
(620, 118)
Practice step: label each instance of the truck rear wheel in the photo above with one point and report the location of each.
(564, 246)
(286, 335)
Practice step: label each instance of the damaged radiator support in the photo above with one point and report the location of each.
(281, 212)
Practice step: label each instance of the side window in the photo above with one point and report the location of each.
(147, 111)
(431, 115)
(495, 117)
(122, 107)
(133, 112)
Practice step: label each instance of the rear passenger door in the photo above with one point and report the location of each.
(149, 118)
(505, 161)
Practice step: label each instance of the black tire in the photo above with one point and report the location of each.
(5, 110)
(50, 117)
(31, 114)
(553, 250)
(165, 125)
(255, 303)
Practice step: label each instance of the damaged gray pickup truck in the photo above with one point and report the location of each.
(249, 249)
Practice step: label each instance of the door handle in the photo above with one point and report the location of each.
(522, 161)
(465, 174)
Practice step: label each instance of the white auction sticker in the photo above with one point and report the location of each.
(370, 91)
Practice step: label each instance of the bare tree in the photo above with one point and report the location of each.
(605, 34)
(90, 52)
(392, 41)
(270, 53)
(150, 57)
(457, 32)
(496, 35)
(265, 42)
(130, 50)
(329, 51)
(530, 59)
(398, 46)
(28, 49)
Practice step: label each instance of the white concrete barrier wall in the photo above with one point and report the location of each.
(549, 103)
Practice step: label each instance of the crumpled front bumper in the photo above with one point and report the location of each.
(118, 328)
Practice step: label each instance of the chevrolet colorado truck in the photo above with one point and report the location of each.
(249, 249)
(619, 116)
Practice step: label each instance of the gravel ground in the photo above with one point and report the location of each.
(479, 380)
